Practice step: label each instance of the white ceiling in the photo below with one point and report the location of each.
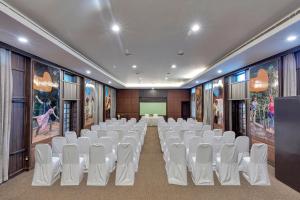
(154, 31)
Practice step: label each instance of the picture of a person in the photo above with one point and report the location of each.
(253, 109)
(271, 112)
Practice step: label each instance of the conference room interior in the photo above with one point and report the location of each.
(141, 99)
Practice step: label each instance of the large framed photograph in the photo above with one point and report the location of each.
(218, 104)
(89, 103)
(46, 102)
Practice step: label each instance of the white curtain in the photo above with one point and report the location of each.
(289, 75)
(207, 106)
(5, 111)
(113, 103)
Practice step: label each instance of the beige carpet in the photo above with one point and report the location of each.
(150, 183)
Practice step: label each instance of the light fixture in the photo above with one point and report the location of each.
(220, 71)
(22, 39)
(88, 71)
(195, 28)
(291, 38)
(109, 82)
(134, 66)
(196, 82)
(173, 66)
(152, 88)
(166, 78)
(116, 28)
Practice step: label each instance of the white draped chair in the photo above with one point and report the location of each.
(47, 168)
(206, 127)
(170, 140)
(95, 127)
(57, 144)
(135, 148)
(201, 165)
(187, 136)
(125, 172)
(255, 167)
(83, 132)
(228, 137)
(242, 146)
(83, 144)
(227, 166)
(218, 132)
(176, 165)
(72, 165)
(92, 135)
(192, 148)
(110, 151)
(71, 137)
(208, 132)
(208, 138)
(99, 166)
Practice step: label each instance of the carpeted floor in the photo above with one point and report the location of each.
(150, 183)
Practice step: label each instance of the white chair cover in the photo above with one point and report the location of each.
(228, 137)
(95, 127)
(92, 135)
(202, 170)
(217, 145)
(57, 146)
(110, 151)
(256, 166)
(218, 132)
(242, 146)
(83, 132)
(208, 138)
(72, 166)
(227, 166)
(206, 127)
(135, 148)
(47, 168)
(71, 137)
(192, 148)
(187, 136)
(98, 173)
(176, 166)
(83, 144)
(125, 165)
(208, 132)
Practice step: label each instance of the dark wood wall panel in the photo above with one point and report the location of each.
(128, 103)
(175, 98)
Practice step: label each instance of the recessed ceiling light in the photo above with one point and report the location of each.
(134, 66)
(291, 38)
(166, 78)
(116, 28)
(109, 82)
(220, 71)
(88, 71)
(195, 28)
(173, 66)
(197, 82)
(22, 39)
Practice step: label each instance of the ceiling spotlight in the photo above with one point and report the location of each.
(196, 82)
(115, 28)
(195, 28)
(166, 78)
(109, 82)
(134, 66)
(88, 71)
(291, 38)
(173, 66)
(22, 39)
(219, 71)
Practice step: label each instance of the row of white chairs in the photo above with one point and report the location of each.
(71, 168)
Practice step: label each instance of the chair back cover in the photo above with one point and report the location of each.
(46, 170)
(95, 127)
(107, 142)
(242, 146)
(228, 137)
(193, 144)
(208, 132)
(71, 137)
(218, 132)
(72, 165)
(98, 172)
(83, 132)
(125, 166)
(202, 167)
(57, 145)
(206, 127)
(92, 135)
(259, 153)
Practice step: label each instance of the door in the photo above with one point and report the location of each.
(18, 149)
(185, 109)
(239, 117)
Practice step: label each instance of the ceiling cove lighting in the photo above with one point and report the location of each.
(88, 71)
(154, 85)
(134, 66)
(291, 38)
(173, 66)
(23, 40)
(116, 28)
(195, 28)
(193, 73)
(220, 71)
